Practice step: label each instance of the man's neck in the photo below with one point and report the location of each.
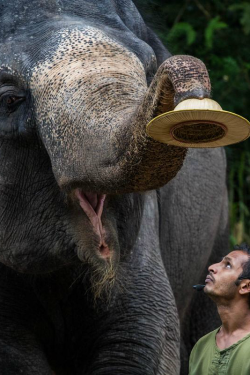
(234, 317)
(235, 323)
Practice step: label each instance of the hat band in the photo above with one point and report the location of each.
(198, 131)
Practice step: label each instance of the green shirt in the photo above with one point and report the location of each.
(207, 359)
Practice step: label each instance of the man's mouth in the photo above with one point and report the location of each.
(209, 279)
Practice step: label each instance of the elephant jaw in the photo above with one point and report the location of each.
(92, 204)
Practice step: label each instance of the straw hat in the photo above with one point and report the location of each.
(199, 123)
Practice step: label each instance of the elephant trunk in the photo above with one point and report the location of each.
(92, 113)
(148, 164)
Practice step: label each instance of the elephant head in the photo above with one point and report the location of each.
(78, 84)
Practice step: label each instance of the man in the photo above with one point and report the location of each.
(227, 349)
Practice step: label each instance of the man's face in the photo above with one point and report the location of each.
(220, 282)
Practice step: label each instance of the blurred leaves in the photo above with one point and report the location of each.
(239, 188)
(182, 28)
(210, 31)
(245, 15)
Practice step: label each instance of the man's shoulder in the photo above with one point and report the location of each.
(209, 335)
(209, 338)
(202, 353)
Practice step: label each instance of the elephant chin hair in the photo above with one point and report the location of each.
(106, 283)
(102, 281)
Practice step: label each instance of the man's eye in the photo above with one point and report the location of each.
(228, 265)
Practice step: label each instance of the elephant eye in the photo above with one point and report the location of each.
(11, 99)
(11, 102)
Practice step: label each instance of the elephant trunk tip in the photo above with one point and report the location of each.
(197, 93)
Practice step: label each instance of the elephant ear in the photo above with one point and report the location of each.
(160, 51)
(131, 17)
(149, 36)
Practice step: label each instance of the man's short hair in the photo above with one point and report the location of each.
(245, 274)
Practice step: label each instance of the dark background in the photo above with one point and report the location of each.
(217, 32)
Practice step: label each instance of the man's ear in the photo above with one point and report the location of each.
(244, 286)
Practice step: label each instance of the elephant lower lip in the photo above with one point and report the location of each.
(104, 251)
(92, 204)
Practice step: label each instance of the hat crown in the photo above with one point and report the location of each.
(197, 104)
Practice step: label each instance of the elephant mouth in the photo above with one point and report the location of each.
(92, 204)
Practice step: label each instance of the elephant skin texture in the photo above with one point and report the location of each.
(101, 236)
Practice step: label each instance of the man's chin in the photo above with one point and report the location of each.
(208, 289)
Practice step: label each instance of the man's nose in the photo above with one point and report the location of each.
(212, 268)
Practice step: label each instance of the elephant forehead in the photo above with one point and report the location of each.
(85, 54)
(89, 78)
(86, 66)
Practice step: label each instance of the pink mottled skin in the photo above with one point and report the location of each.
(92, 204)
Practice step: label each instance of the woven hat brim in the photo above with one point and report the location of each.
(238, 128)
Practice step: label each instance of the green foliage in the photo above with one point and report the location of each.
(179, 29)
(245, 15)
(239, 183)
(210, 31)
(217, 32)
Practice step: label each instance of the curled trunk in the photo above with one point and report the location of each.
(98, 109)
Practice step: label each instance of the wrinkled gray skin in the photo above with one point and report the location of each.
(194, 234)
(85, 250)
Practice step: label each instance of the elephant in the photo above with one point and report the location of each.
(103, 230)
